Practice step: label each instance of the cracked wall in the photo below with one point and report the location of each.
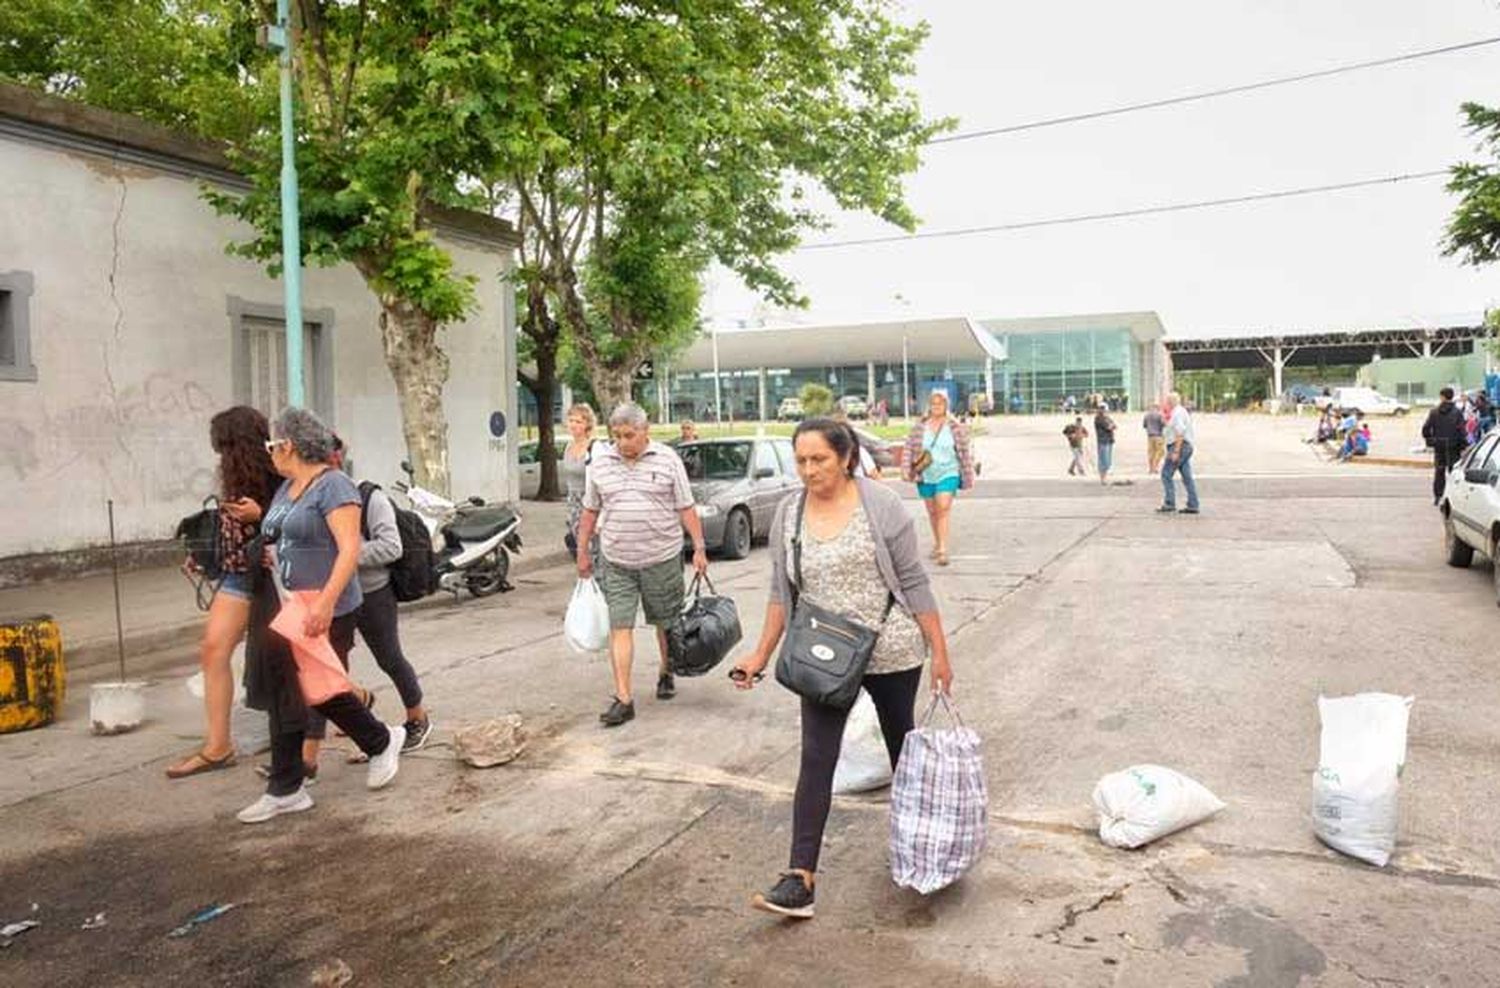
(132, 340)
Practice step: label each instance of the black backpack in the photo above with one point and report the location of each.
(200, 536)
(412, 576)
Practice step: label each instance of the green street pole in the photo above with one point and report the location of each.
(279, 38)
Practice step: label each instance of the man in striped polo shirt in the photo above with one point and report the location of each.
(638, 498)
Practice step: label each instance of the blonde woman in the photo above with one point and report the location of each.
(581, 425)
(940, 461)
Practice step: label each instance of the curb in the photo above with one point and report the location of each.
(1392, 461)
(95, 653)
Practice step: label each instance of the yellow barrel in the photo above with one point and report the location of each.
(32, 678)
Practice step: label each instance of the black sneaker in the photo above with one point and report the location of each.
(792, 896)
(666, 687)
(1166, 509)
(618, 713)
(1188, 511)
(417, 733)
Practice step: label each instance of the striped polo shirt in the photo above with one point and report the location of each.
(639, 503)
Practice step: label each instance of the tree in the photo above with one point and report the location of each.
(396, 118)
(816, 399)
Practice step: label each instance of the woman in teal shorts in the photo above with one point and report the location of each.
(941, 462)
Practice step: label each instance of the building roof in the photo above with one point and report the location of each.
(928, 340)
(70, 126)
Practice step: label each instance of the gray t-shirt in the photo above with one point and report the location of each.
(1154, 423)
(305, 547)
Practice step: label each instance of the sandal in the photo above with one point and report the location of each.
(942, 558)
(198, 763)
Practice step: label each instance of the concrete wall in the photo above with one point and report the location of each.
(131, 338)
(1394, 377)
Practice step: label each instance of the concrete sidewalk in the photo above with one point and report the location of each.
(159, 614)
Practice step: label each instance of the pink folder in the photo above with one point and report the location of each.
(319, 672)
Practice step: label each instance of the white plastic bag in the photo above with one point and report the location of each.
(1143, 803)
(1361, 755)
(864, 763)
(586, 625)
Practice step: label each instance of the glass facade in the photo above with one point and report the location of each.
(1040, 372)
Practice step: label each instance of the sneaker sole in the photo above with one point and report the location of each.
(802, 912)
(284, 812)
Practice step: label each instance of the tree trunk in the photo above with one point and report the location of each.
(542, 330)
(420, 369)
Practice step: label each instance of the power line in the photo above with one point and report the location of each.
(1212, 93)
(1125, 213)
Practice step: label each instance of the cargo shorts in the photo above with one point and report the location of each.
(658, 589)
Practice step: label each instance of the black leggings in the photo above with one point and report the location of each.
(348, 713)
(341, 637)
(376, 620)
(895, 695)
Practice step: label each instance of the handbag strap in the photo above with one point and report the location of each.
(797, 548)
(701, 580)
(939, 696)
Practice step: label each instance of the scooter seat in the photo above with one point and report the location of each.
(481, 523)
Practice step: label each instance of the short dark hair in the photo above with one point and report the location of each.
(1447, 394)
(837, 435)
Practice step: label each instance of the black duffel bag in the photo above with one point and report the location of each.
(705, 632)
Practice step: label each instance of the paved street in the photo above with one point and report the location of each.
(1089, 633)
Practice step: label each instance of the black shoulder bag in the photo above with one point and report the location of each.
(200, 535)
(824, 655)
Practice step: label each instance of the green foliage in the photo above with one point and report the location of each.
(1474, 228)
(816, 399)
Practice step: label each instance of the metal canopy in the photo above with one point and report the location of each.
(1322, 348)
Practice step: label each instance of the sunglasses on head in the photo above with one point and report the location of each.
(271, 444)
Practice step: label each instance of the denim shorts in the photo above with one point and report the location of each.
(236, 585)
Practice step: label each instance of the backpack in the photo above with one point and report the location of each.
(199, 533)
(412, 576)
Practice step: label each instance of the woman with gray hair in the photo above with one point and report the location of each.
(312, 532)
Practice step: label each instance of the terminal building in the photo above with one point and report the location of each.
(1004, 365)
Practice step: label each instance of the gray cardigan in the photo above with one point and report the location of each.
(383, 547)
(896, 554)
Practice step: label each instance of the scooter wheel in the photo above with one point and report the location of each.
(488, 578)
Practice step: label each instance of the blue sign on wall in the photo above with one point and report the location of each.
(497, 425)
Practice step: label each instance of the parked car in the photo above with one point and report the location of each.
(737, 484)
(1471, 507)
(790, 410)
(1366, 400)
(885, 454)
(531, 467)
(854, 406)
(1304, 394)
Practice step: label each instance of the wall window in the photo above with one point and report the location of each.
(15, 327)
(259, 357)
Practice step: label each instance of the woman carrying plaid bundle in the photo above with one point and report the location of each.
(860, 558)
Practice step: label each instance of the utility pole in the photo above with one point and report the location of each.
(713, 333)
(278, 37)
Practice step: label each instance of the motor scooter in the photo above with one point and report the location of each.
(472, 542)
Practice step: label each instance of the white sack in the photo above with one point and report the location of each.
(586, 625)
(864, 764)
(1145, 802)
(1361, 755)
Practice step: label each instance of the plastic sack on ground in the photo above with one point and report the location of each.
(939, 804)
(864, 764)
(1143, 803)
(586, 625)
(1362, 753)
(704, 633)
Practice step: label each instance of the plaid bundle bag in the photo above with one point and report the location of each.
(939, 805)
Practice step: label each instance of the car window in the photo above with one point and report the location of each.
(1484, 453)
(715, 461)
(526, 453)
(765, 459)
(787, 456)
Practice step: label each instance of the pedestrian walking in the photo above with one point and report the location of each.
(1156, 447)
(859, 558)
(378, 620)
(687, 432)
(1104, 438)
(940, 461)
(575, 464)
(1181, 440)
(1076, 432)
(312, 527)
(1445, 434)
(638, 498)
(247, 483)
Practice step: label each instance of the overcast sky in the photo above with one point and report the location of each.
(1364, 258)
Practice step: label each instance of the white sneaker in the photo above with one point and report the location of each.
(383, 766)
(269, 807)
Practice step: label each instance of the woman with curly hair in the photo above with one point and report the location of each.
(247, 482)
